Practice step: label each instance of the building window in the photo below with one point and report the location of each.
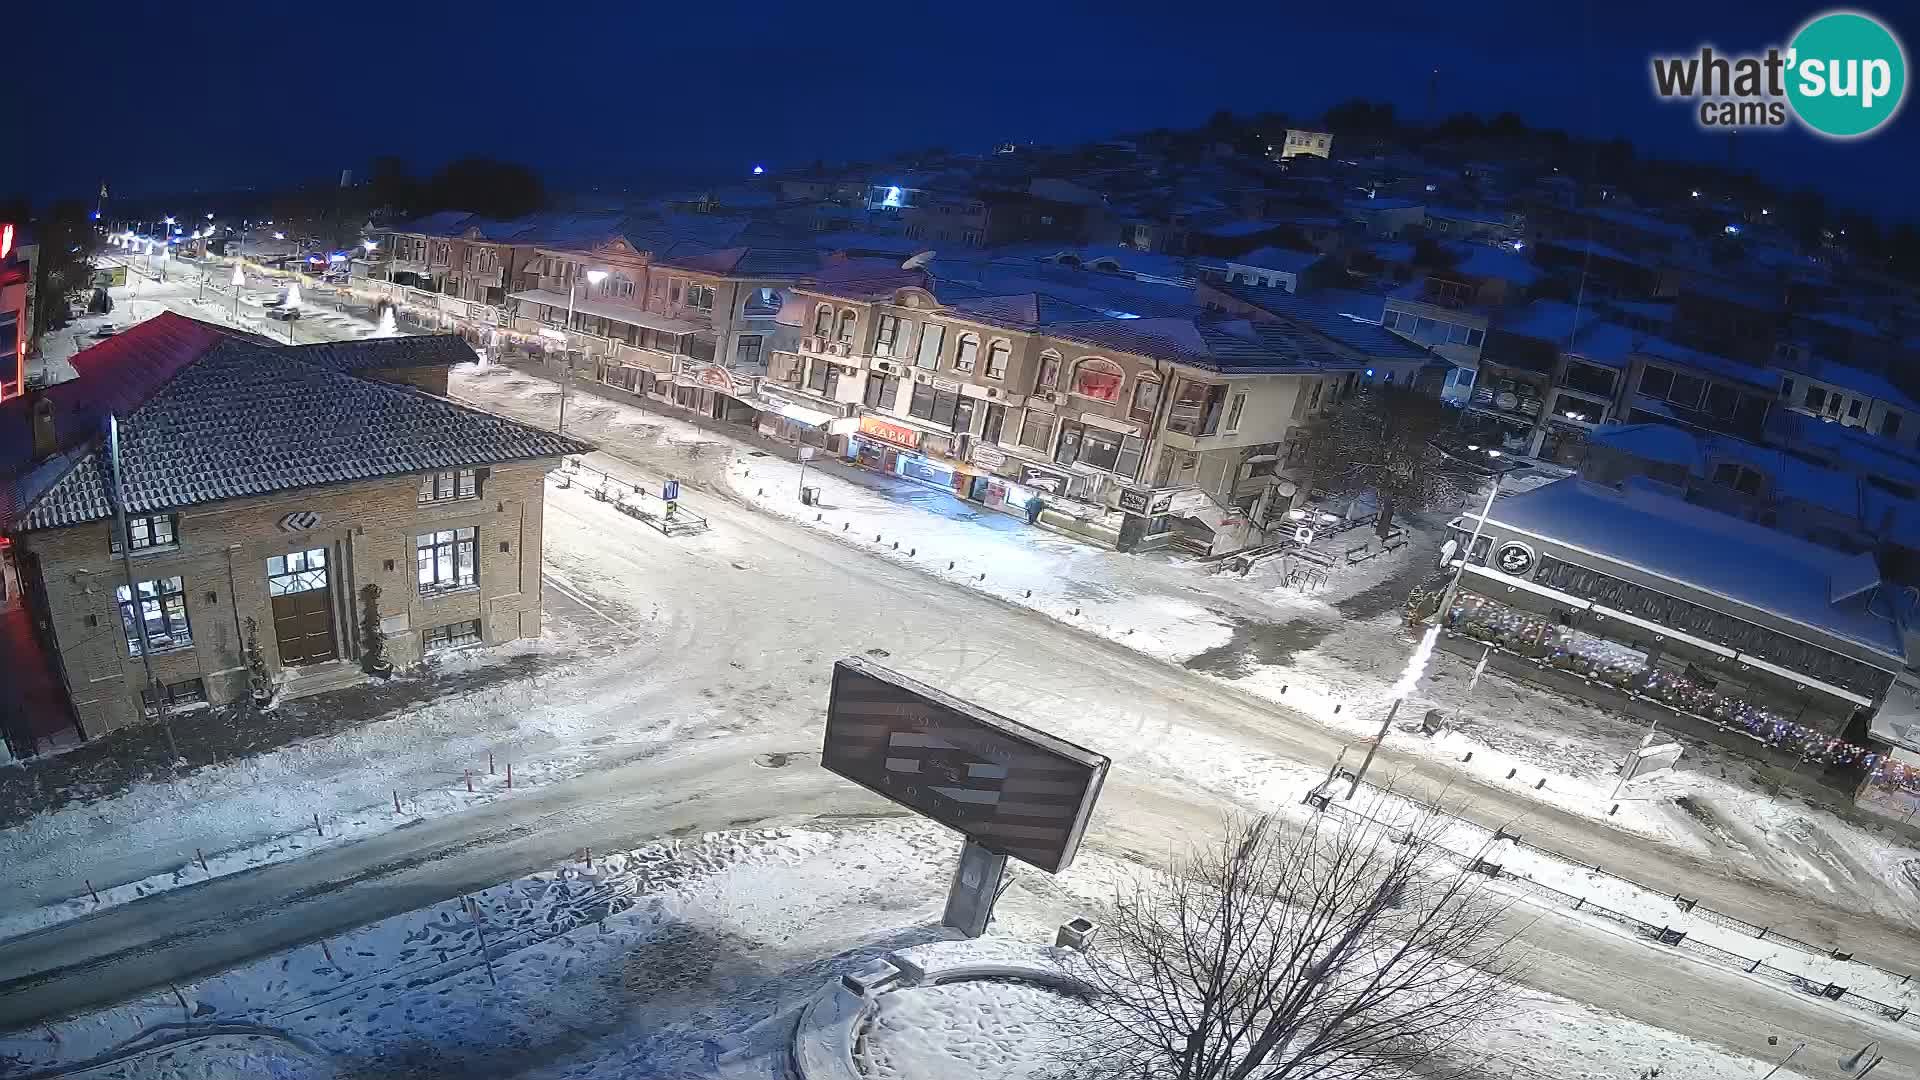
(1098, 379)
(824, 379)
(673, 294)
(1738, 477)
(1786, 389)
(177, 696)
(937, 406)
(451, 636)
(1816, 398)
(932, 337)
(1100, 448)
(885, 334)
(699, 297)
(1853, 413)
(1036, 431)
(823, 321)
(162, 614)
(746, 351)
(441, 486)
(998, 354)
(1048, 376)
(882, 391)
(1146, 395)
(966, 352)
(762, 303)
(1240, 404)
(846, 326)
(1890, 424)
(1589, 379)
(297, 572)
(149, 533)
(996, 420)
(1197, 406)
(446, 560)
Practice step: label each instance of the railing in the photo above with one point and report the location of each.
(630, 498)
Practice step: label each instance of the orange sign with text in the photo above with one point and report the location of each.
(897, 434)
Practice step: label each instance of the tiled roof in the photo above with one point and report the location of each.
(1368, 338)
(238, 420)
(434, 350)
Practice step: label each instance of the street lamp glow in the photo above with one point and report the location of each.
(595, 277)
(1493, 453)
(279, 236)
(759, 170)
(369, 245)
(239, 278)
(209, 216)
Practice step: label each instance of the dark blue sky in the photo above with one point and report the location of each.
(216, 93)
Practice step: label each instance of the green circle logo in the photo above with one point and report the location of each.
(1847, 74)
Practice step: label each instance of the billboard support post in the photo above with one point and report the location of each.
(976, 885)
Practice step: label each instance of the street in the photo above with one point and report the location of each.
(722, 645)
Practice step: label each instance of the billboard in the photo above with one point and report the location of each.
(1011, 789)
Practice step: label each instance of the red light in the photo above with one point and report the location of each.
(6, 240)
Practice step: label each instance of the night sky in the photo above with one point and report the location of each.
(157, 97)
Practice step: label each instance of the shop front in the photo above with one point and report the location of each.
(715, 392)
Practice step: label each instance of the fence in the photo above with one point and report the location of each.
(631, 499)
(1538, 892)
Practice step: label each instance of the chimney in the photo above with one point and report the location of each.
(45, 438)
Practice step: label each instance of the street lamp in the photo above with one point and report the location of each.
(594, 277)
(239, 279)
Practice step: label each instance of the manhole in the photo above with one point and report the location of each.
(773, 761)
(881, 654)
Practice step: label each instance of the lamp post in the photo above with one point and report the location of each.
(239, 279)
(1479, 525)
(594, 277)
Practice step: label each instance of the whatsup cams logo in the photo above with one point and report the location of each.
(1843, 75)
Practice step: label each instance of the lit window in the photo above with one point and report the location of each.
(966, 353)
(997, 356)
(147, 533)
(1098, 379)
(161, 614)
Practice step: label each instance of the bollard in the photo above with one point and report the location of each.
(1283, 688)
(817, 517)
(983, 575)
(1510, 773)
(1616, 809)
(469, 775)
(912, 552)
(896, 545)
(589, 856)
(877, 538)
(95, 895)
(202, 860)
(1541, 784)
(1076, 611)
(316, 826)
(1336, 710)
(1468, 757)
(763, 493)
(949, 564)
(1029, 594)
(396, 802)
(509, 776)
(843, 526)
(328, 953)
(489, 763)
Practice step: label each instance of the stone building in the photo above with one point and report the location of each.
(264, 490)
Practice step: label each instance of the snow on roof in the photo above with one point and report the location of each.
(1391, 251)
(1240, 228)
(1485, 261)
(1643, 222)
(1454, 213)
(1597, 250)
(1605, 343)
(1711, 363)
(1717, 553)
(1852, 378)
(1284, 260)
(1547, 320)
(1655, 442)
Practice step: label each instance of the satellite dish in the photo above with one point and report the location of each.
(918, 261)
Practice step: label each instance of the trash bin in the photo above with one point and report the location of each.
(1076, 934)
(809, 496)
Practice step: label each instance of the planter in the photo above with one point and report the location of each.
(381, 669)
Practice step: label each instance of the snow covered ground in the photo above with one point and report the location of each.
(1332, 653)
(689, 958)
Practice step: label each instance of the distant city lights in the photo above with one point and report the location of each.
(759, 170)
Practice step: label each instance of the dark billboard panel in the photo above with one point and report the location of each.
(1016, 791)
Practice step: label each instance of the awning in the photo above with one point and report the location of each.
(608, 309)
(802, 414)
(1806, 681)
(1702, 644)
(1573, 603)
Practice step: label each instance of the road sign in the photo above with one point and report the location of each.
(670, 492)
(1012, 789)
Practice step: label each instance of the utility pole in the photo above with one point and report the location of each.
(1373, 748)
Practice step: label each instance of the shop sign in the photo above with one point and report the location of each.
(1162, 503)
(946, 385)
(1046, 480)
(715, 377)
(551, 334)
(1514, 558)
(897, 434)
(989, 457)
(1135, 501)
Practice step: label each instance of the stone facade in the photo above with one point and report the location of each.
(367, 530)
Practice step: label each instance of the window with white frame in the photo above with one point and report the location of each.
(1048, 375)
(161, 614)
(149, 533)
(846, 325)
(886, 332)
(1146, 396)
(1098, 379)
(966, 353)
(451, 636)
(823, 321)
(932, 337)
(451, 484)
(447, 560)
(1240, 404)
(998, 354)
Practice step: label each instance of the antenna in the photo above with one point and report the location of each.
(918, 262)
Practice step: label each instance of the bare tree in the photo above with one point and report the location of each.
(1382, 438)
(1332, 951)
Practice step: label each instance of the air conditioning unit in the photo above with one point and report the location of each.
(1056, 397)
(810, 344)
(886, 367)
(923, 377)
(993, 391)
(842, 348)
